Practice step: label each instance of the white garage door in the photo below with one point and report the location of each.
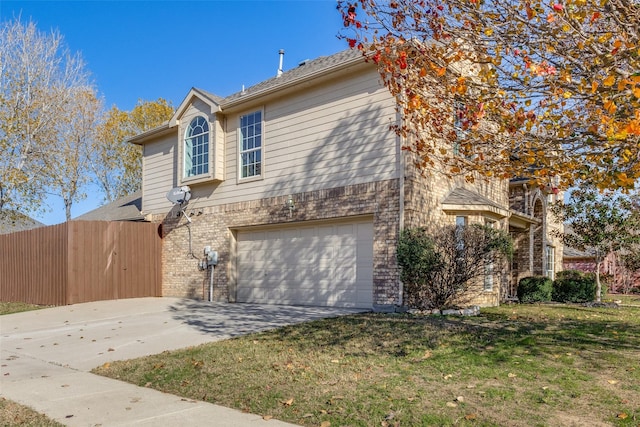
(321, 265)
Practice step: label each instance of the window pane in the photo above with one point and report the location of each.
(196, 147)
(250, 134)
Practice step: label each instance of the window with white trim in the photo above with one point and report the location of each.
(250, 140)
(489, 265)
(550, 258)
(461, 223)
(196, 148)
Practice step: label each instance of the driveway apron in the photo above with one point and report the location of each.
(46, 356)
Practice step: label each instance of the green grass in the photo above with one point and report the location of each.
(14, 414)
(515, 365)
(17, 307)
(629, 299)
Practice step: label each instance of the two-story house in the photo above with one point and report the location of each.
(302, 189)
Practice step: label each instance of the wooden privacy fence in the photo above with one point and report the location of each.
(81, 261)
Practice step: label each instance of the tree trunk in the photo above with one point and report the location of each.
(67, 209)
(598, 285)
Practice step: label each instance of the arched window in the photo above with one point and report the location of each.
(196, 148)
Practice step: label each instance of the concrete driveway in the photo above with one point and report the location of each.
(46, 356)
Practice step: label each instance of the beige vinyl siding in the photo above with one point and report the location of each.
(332, 135)
(160, 164)
(326, 136)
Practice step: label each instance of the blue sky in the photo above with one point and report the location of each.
(145, 50)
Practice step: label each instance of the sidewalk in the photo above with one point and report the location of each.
(46, 356)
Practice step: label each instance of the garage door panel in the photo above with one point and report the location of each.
(327, 264)
(345, 229)
(345, 274)
(306, 232)
(273, 235)
(290, 234)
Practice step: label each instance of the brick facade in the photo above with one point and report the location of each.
(217, 227)
(424, 192)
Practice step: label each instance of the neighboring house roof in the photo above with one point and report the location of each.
(461, 200)
(13, 221)
(575, 253)
(126, 208)
(569, 252)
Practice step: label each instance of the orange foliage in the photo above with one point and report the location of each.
(548, 89)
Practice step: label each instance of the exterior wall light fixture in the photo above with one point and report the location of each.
(289, 204)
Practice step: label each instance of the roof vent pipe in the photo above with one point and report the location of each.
(281, 52)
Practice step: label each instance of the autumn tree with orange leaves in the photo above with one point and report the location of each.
(511, 88)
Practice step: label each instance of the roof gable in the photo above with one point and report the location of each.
(213, 101)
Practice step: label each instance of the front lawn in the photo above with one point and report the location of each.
(14, 414)
(515, 365)
(17, 307)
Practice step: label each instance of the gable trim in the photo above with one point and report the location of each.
(188, 100)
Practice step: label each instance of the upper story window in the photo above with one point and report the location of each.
(251, 145)
(196, 148)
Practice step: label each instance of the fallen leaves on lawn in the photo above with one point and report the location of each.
(287, 402)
